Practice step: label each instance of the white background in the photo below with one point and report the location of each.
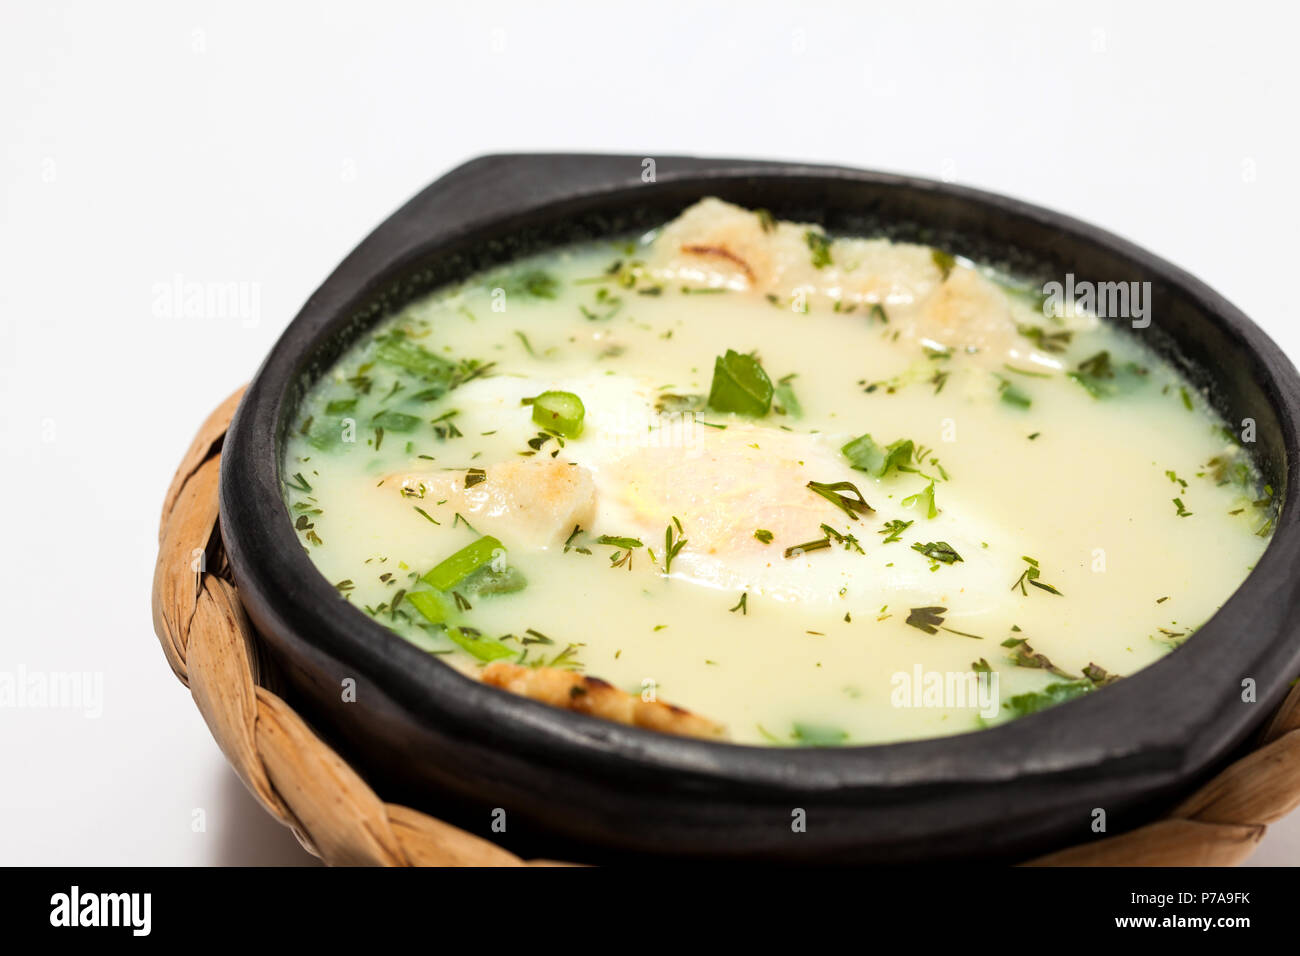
(255, 143)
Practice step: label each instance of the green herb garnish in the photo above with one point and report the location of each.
(820, 245)
(1030, 576)
(619, 542)
(1049, 696)
(865, 455)
(928, 619)
(835, 494)
(945, 261)
(940, 551)
(894, 530)
(925, 498)
(740, 385)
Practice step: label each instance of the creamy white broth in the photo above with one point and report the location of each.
(821, 650)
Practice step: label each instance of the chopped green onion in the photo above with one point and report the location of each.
(433, 605)
(487, 581)
(455, 569)
(818, 735)
(561, 412)
(483, 650)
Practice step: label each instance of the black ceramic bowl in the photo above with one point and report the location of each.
(574, 786)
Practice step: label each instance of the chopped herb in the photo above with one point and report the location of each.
(1098, 675)
(928, 619)
(821, 248)
(784, 399)
(532, 283)
(740, 385)
(619, 542)
(1026, 656)
(849, 541)
(1046, 340)
(743, 604)
(865, 455)
(570, 546)
(762, 534)
(834, 493)
(1103, 379)
(894, 530)
(1052, 694)
(924, 497)
(945, 261)
(607, 306)
(940, 551)
(1012, 394)
(821, 544)
(672, 544)
(1030, 576)
(395, 348)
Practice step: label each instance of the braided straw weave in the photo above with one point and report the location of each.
(334, 813)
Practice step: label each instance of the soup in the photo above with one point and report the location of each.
(740, 479)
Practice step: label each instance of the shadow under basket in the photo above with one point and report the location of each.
(306, 785)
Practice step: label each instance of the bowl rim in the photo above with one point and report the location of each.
(1141, 724)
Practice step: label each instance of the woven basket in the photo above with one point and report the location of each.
(304, 784)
